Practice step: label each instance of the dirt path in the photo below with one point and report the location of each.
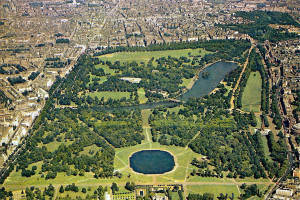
(187, 146)
(238, 81)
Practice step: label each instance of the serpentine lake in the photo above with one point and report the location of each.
(152, 162)
(204, 86)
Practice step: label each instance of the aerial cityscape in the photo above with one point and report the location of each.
(150, 99)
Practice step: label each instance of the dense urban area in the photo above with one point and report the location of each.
(211, 85)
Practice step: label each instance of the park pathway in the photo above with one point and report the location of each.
(197, 134)
(238, 81)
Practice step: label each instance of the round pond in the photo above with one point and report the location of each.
(152, 162)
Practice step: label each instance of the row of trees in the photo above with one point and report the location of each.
(211, 45)
(16, 80)
(33, 75)
(255, 64)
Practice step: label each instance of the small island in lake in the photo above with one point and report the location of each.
(205, 75)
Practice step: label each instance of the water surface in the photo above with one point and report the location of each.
(204, 86)
(152, 162)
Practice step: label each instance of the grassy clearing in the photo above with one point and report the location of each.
(214, 189)
(251, 99)
(252, 180)
(145, 116)
(142, 97)
(176, 109)
(185, 82)
(228, 89)
(106, 69)
(107, 95)
(146, 56)
(87, 150)
(205, 179)
(266, 148)
(102, 78)
(55, 144)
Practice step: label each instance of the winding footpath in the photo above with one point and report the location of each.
(238, 81)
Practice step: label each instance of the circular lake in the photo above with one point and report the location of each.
(152, 162)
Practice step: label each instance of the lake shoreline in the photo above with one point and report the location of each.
(196, 77)
(217, 75)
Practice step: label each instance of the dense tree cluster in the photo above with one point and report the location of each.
(18, 69)
(278, 154)
(5, 194)
(259, 28)
(63, 40)
(33, 75)
(130, 186)
(16, 80)
(250, 191)
(121, 128)
(275, 112)
(296, 104)
(219, 136)
(35, 193)
(55, 64)
(205, 196)
(3, 98)
(67, 128)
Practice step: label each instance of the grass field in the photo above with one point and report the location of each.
(142, 97)
(251, 99)
(185, 82)
(266, 148)
(146, 56)
(106, 69)
(107, 95)
(214, 189)
(102, 78)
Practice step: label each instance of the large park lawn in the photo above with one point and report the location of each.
(146, 56)
(215, 189)
(106, 95)
(251, 99)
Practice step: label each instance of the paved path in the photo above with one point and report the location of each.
(238, 81)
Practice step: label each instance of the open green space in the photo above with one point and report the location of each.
(106, 95)
(142, 97)
(90, 146)
(214, 189)
(146, 56)
(251, 99)
(182, 157)
(266, 148)
(185, 82)
(106, 69)
(102, 78)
